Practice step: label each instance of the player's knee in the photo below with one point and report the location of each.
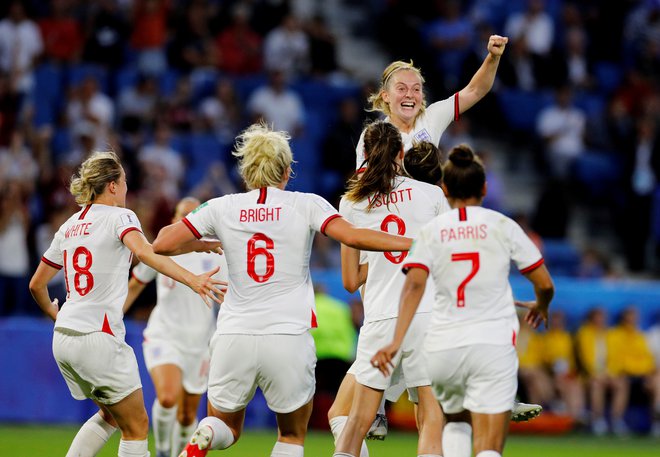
(186, 416)
(137, 428)
(167, 399)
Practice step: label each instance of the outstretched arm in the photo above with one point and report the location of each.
(544, 289)
(365, 239)
(483, 79)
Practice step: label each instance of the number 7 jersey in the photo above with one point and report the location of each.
(266, 237)
(96, 263)
(468, 252)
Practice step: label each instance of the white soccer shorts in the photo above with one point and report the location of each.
(281, 365)
(96, 365)
(194, 365)
(481, 378)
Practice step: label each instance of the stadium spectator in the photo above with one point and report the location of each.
(534, 27)
(653, 337)
(137, 104)
(598, 358)
(192, 46)
(221, 112)
(90, 109)
(20, 46)
(239, 47)
(322, 48)
(62, 33)
(162, 166)
(286, 49)
(95, 247)
(176, 341)
(535, 379)
(9, 108)
(149, 35)
(263, 326)
(178, 110)
(277, 105)
(107, 32)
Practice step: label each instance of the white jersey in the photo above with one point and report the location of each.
(96, 264)
(180, 315)
(267, 237)
(404, 212)
(468, 252)
(429, 126)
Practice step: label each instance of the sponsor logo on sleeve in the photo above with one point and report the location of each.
(128, 219)
(200, 207)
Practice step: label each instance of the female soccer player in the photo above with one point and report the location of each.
(95, 247)
(262, 337)
(401, 98)
(382, 199)
(176, 342)
(471, 337)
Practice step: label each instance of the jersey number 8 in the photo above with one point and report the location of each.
(400, 229)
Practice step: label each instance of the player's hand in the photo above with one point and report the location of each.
(383, 358)
(55, 309)
(211, 247)
(535, 316)
(496, 45)
(209, 288)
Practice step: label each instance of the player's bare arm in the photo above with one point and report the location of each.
(205, 285)
(411, 295)
(365, 239)
(39, 289)
(353, 274)
(544, 290)
(482, 81)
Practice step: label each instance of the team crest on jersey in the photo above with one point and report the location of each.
(423, 135)
(200, 207)
(128, 219)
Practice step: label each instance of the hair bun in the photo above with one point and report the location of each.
(462, 155)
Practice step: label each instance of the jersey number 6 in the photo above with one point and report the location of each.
(253, 251)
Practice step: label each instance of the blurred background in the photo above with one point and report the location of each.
(569, 135)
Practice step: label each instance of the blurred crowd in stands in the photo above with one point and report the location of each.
(168, 84)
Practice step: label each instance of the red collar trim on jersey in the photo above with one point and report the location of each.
(263, 193)
(462, 214)
(84, 213)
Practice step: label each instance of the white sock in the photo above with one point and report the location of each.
(342, 454)
(180, 436)
(91, 437)
(162, 421)
(287, 450)
(429, 455)
(457, 439)
(489, 454)
(133, 448)
(381, 408)
(222, 435)
(337, 425)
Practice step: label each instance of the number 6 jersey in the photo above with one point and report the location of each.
(409, 206)
(96, 263)
(468, 252)
(266, 237)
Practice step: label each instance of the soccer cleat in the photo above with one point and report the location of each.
(378, 430)
(522, 412)
(199, 443)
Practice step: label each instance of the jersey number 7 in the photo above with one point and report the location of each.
(460, 257)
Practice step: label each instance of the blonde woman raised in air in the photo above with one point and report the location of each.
(95, 247)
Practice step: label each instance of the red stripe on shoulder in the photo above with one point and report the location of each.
(462, 214)
(127, 231)
(532, 267)
(50, 264)
(263, 193)
(84, 212)
(191, 227)
(327, 221)
(409, 266)
(457, 108)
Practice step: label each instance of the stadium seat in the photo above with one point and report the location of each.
(561, 256)
(521, 108)
(608, 75)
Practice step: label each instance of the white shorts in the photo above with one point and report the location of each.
(481, 378)
(97, 366)
(194, 366)
(409, 363)
(281, 365)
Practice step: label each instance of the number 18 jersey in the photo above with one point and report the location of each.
(266, 237)
(96, 263)
(409, 206)
(468, 252)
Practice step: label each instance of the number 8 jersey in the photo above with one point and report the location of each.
(468, 252)
(409, 206)
(266, 237)
(96, 263)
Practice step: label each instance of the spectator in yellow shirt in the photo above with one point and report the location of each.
(600, 359)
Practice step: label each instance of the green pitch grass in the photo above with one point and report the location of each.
(53, 441)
